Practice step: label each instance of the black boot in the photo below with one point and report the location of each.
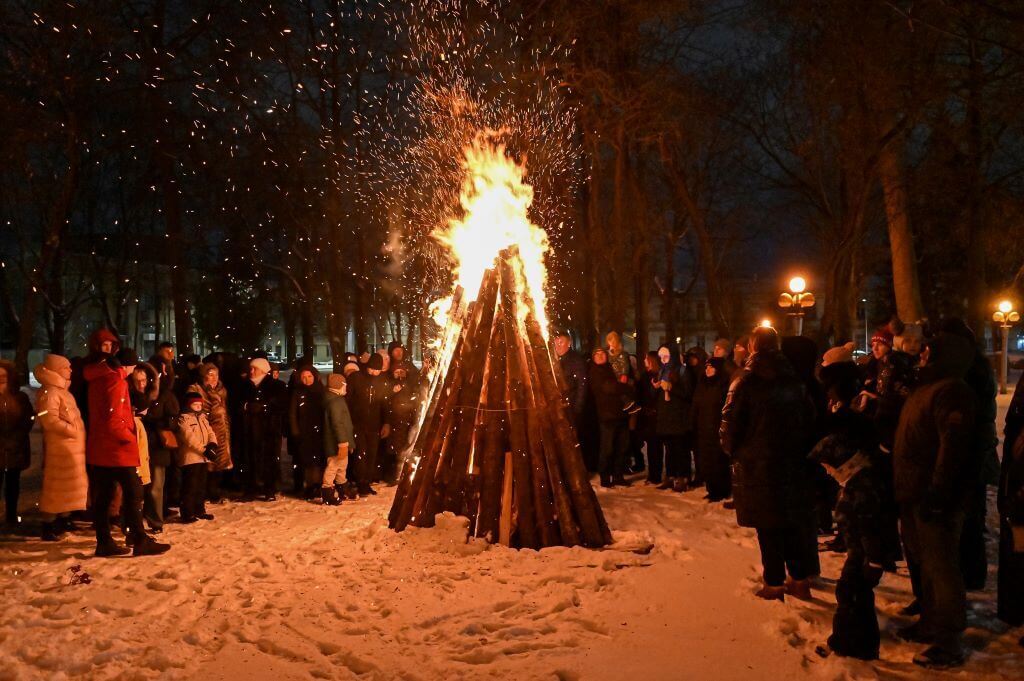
(330, 496)
(148, 547)
(606, 481)
(52, 532)
(110, 549)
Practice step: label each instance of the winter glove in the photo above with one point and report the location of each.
(210, 453)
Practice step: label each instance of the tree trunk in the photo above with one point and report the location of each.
(977, 290)
(288, 322)
(306, 320)
(53, 241)
(901, 236)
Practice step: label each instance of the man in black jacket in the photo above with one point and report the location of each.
(263, 403)
(1011, 514)
(368, 400)
(934, 472)
(766, 423)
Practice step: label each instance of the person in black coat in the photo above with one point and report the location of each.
(708, 400)
(405, 400)
(935, 472)
(647, 394)
(984, 442)
(263, 404)
(369, 400)
(1011, 514)
(306, 432)
(611, 397)
(672, 422)
(765, 425)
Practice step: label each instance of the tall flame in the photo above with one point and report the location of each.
(495, 200)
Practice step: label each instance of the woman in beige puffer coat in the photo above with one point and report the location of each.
(65, 484)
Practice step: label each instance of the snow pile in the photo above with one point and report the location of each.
(293, 590)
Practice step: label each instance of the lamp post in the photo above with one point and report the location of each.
(1005, 316)
(795, 301)
(867, 335)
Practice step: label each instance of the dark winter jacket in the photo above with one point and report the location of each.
(802, 353)
(897, 375)
(306, 425)
(1011, 477)
(574, 369)
(933, 460)
(647, 395)
(337, 424)
(162, 415)
(673, 418)
(841, 385)
(261, 416)
(863, 513)
(765, 424)
(406, 378)
(706, 415)
(369, 401)
(608, 393)
(16, 419)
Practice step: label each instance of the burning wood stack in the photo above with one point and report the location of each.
(496, 444)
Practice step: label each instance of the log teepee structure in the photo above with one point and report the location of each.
(495, 443)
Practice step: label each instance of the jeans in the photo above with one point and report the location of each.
(334, 473)
(193, 490)
(782, 549)
(153, 503)
(11, 480)
(931, 546)
(614, 446)
(104, 480)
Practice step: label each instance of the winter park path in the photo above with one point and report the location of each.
(292, 590)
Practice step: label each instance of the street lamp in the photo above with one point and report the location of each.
(1005, 316)
(795, 301)
(766, 324)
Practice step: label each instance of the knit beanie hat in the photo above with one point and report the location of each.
(843, 353)
(127, 357)
(350, 368)
(883, 336)
(375, 362)
(260, 363)
(725, 344)
(335, 382)
(191, 398)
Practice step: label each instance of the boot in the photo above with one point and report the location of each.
(148, 547)
(364, 489)
(798, 588)
(205, 516)
(914, 633)
(680, 484)
(329, 496)
(606, 481)
(941, 657)
(342, 492)
(110, 550)
(620, 481)
(772, 593)
(51, 532)
(667, 483)
(351, 490)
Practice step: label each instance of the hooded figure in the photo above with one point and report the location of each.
(708, 399)
(65, 484)
(306, 429)
(765, 429)
(111, 440)
(935, 471)
(672, 421)
(369, 404)
(215, 405)
(102, 342)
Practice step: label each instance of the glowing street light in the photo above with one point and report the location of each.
(766, 324)
(795, 301)
(1005, 316)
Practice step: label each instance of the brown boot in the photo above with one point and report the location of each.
(772, 593)
(798, 588)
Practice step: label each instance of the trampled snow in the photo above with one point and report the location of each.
(294, 590)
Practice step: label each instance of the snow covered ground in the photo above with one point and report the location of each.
(293, 590)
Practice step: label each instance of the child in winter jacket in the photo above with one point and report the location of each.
(339, 440)
(862, 515)
(197, 447)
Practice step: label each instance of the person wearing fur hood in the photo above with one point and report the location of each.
(65, 483)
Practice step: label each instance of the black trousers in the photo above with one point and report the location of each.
(103, 481)
(934, 563)
(365, 460)
(614, 447)
(973, 559)
(1011, 577)
(193, 490)
(678, 455)
(782, 549)
(655, 458)
(855, 625)
(714, 467)
(11, 479)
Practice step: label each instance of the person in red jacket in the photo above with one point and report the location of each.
(112, 453)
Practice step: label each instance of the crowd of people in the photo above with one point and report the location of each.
(894, 450)
(136, 444)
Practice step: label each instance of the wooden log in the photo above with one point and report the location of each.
(507, 521)
(492, 443)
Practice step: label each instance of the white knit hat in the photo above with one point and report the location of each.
(843, 353)
(261, 364)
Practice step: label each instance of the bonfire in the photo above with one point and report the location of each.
(494, 441)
